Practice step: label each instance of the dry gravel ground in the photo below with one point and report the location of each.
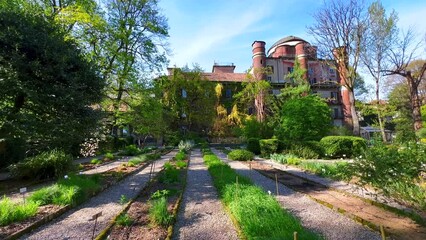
(76, 224)
(201, 215)
(313, 215)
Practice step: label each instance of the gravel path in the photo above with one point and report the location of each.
(313, 215)
(201, 215)
(76, 224)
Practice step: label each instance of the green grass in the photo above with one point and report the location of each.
(12, 212)
(124, 220)
(158, 213)
(170, 174)
(337, 171)
(258, 214)
(180, 156)
(181, 164)
(96, 161)
(73, 190)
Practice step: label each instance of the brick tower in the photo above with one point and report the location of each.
(259, 60)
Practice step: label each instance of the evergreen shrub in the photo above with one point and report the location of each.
(343, 146)
(253, 145)
(241, 155)
(268, 146)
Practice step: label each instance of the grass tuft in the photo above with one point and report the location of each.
(14, 212)
(158, 213)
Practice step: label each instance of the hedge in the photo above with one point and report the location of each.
(307, 149)
(241, 155)
(343, 146)
(268, 146)
(253, 145)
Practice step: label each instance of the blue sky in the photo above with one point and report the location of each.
(222, 31)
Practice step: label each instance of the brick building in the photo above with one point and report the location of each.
(280, 57)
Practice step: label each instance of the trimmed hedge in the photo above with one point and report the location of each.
(307, 149)
(241, 155)
(253, 145)
(337, 146)
(268, 146)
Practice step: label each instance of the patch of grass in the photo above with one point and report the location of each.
(123, 199)
(160, 193)
(259, 215)
(337, 171)
(181, 164)
(180, 156)
(124, 220)
(109, 156)
(96, 161)
(170, 174)
(73, 190)
(14, 212)
(158, 213)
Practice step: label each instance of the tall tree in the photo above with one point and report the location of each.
(338, 31)
(402, 58)
(378, 41)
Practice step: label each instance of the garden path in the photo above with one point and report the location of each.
(201, 215)
(313, 215)
(77, 223)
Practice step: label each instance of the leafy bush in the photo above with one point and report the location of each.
(124, 220)
(293, 160)
(240, 155)
(123, 199)
(254, 129)
(170, 174)
(421, 133)
(281, 158)
(50, 164)
(96, 161)
(337, 171)
(131, 150)
(181, 164)
(268, 146)
(153, 156)
(307, 149)
(253, 145)
(158, 213)
(109, 156)
(160, 193)
(343, 146)
(13, 212)
(180, 156)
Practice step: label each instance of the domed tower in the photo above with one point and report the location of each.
(341, 56)
(259, 59)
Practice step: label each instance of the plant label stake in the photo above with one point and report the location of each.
(133, 185)
(276, 184)
(295, 235)
(95, 217)
(23, 191)
(382, 232)
(150, 171)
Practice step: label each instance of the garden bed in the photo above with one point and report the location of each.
(49, 211)
(136, 222)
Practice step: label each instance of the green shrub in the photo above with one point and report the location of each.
(421, 133)
(185, 145)
(14, 212)
(159, 194)
(268, 146)
(50, 164)
(158, 213)
(253, 145)
(293, 160)
(109, 156)
(131, 150)
(343, 146)
(124, 220)
(180, 156)
(96, 161)
(181, 164)
(170, 174)
(153, 156)
(281, 158)
(337, 171)
(240, 155)
(307, 149)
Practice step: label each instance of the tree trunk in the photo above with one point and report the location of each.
(379, 111)
(415, 102)
(259, 104)
(355, 119)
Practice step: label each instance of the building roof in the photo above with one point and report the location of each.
(285, 40)
(225, 77)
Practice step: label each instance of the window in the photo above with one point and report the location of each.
(336, 112)
(269, 78)
(290, 69)
(271, 69)
(332, 71)
(333, 95)
(228, 93)
(184, 94)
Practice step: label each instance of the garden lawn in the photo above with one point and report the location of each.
(258, 214)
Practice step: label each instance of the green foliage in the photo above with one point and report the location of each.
(253, 145)
(343, 146)
(180, 156)
(131, 150)
(394, 169)
(307, 149)
(96, 161)
(421, 133)
(304, 118)
(158, 213)
(339, 131)
(160, 193)
(338, 171)
(185, 145)
(255, 129)
(137, 160)
(283, 158)
(268, 146)
(153, 156)
(170, 174)
(181, 164)
(72, 190)
(12, 212)
(109, 156)
(47, 87)
(293, 160)
(124, 220)
(240, 155)
(123, 199)
(259, 215)
(54, 163)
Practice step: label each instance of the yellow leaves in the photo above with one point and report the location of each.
(218, 90)
(234, 116)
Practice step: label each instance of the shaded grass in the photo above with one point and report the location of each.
(258, 214)
(14, 212)
(73, 190)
